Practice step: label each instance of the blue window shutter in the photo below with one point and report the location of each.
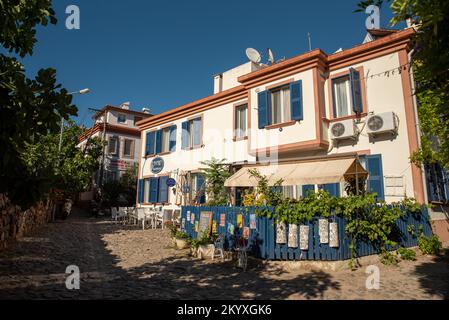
(197, 132)
(306, 189)
(173, 138)
(141, 191)
(200, 187)
(356, 90)
(158, 141)
(263, 111)
(163, 190)
(154, 186)
(376, 177)
(150, 143)
(296, 101)
(332, 188)
(185, 135)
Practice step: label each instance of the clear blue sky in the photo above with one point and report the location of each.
(162, 54)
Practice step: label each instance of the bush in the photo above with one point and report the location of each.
(388, 259)
(407, 254)
(431, 246)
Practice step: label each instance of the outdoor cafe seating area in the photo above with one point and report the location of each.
(147, 218)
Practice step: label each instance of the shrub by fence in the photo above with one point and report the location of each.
(263, 235)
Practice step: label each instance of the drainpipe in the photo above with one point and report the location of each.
(417, 125)
(100, 178)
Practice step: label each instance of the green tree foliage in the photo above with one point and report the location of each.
(215, 175)
(431, 71)
(69, 170)
(29, 108)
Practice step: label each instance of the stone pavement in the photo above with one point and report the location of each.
(118, 262)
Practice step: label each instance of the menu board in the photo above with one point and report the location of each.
(205, 223)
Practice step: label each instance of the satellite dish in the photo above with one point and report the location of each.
(253, 55)
(271, 59)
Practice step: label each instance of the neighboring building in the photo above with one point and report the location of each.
(310, 112)
(117, 126)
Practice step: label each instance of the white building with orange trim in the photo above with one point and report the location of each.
(117, 126)
(313, 108)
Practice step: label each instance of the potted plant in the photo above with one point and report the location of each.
(180, 239)
(204, 247)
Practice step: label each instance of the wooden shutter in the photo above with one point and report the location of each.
(141, 191)
(296, 101)
(306, 189)
(158, 141)
(332, 188)
(375, 178)
(356, 90)
(263, 111)
(150, 143)
(154, 186)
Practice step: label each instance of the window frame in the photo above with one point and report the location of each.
(191, 138)
(116, 151)
(121, 115)
(131, 149)
(331, 116)
(236, 121)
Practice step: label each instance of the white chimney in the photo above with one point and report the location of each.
(125, 105)
(146, 110)
(218, 83)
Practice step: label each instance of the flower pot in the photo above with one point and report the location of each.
(206, 251)
(181, 243)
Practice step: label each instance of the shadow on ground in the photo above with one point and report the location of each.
(434, 276)
(34, 269)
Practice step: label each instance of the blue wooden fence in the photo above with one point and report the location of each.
(263, 237)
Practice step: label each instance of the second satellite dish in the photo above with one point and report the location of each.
(253, 55)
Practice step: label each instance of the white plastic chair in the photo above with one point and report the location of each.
(114, 213)
(149, 216)
(141, 217)
(159, 218)
(122, 213)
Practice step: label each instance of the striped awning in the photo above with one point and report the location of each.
(300, 173)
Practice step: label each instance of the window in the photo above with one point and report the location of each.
(342, 101)
(192, 133)
(280, 106)
(128, 149)
(121, 118)
(198, 188)
(161, 141)
(154, 190)
(347, 94)
(283, 104)
(240, 121)
(113, 145)
(137, 119)
(165, 140)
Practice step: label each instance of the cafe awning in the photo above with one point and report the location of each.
(300, 173)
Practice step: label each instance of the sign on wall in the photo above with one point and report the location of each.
(205, 223)
(333, 235)
(280, 233)
(171, 182)
(324, 230)
(157, 165)
(293, 236)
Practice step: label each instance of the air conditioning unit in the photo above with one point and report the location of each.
(346, 129)
(382, 123)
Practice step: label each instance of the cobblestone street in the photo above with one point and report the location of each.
(118, 262)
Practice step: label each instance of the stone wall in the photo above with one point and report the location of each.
(16, 223)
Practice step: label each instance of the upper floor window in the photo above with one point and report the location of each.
(113, 145)
(240, 124)
(347, 94)
(161, 141)
(192, 132)
(342, 92)
(283, 104)
(137, 119)
(165, 140)
(280, 105)
(128, 148)
(121, 118)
